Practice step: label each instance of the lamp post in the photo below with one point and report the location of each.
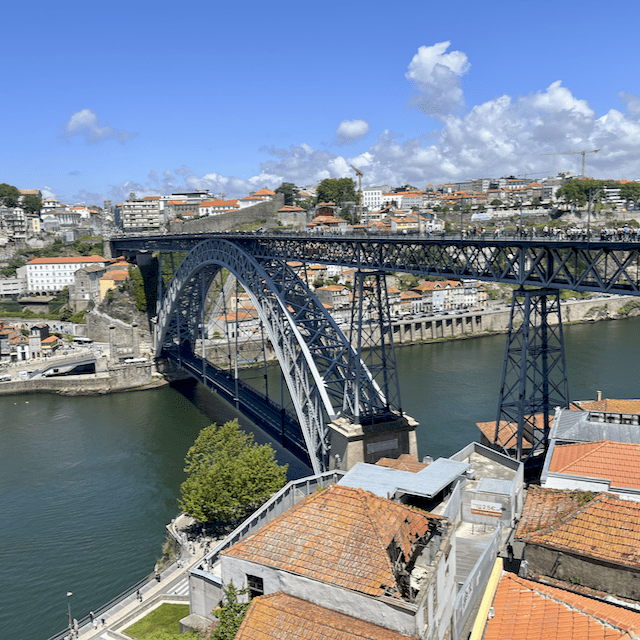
(69, 594)
(593, 195)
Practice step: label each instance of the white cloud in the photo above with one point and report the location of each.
(436, 76)
(85, 124)
(351, 130)
(500, 137)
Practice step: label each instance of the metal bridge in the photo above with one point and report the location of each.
(326, 377)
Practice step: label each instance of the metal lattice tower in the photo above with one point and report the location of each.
(534, 377)
(372, 337)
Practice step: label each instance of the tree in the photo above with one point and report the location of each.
(630, 191)
(9, 196)
(229, 475)
(337, 190)
(290, 192)
(496, 203)
(31, 203)
(231, 614)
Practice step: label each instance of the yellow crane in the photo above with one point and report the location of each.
(563, 153)
(360, 174)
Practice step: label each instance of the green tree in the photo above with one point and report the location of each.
(337, 190)
(290, 192)
(231, 614)
(496, 203)
(9, 195)
(139, 294)
(630, 191)
(228, 475)
(31, 203)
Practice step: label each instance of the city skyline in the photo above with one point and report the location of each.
(232, 99)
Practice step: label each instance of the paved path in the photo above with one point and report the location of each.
(174, 583)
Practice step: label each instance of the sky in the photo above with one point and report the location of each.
(104, 98)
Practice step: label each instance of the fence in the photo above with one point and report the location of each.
(473, 586)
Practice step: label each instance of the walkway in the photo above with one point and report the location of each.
(173, 587)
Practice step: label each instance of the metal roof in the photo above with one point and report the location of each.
(495, 485)
(575, 426)
(386, 482)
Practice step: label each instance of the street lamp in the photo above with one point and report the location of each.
(69, 594)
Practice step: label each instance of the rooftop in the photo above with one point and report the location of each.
(614, 461)
(282, 616)
(528, 610)
(340, 536)
(384, 481)
(599, 526)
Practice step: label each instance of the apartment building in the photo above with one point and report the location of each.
(48, 275)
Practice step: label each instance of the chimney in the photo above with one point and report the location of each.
(599, 395)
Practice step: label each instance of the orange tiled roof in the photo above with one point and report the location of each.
(528, 610)
(612, 405)
(265, 192)
(282, 616)
(405, 462)
(599, 526)
(116, 275)
(339, 536)
(508, 431)
(618, 462)
(67, 260)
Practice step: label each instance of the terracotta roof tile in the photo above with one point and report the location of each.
(615, 461)
(340, 536)
(612, 405)
(405, 462)
(599, 526)
(67, 260)
(533, 611)
(279, 616)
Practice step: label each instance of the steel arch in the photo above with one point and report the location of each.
(314, 354)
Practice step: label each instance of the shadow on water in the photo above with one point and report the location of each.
(220, 411)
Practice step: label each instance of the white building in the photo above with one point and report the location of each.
(47, 275)
(372, 198)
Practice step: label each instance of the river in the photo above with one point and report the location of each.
(87, 485)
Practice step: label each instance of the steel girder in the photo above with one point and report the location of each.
(534, 377)
(314, 354)
(607, 267)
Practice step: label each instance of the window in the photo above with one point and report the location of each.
(255, 586)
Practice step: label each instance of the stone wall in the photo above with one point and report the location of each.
(620, 580)
(98, 329)
(232, 220)
(119, 378)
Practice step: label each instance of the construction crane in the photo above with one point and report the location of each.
(563, 153)
(360, 174)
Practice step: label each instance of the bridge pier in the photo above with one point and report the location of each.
(352, 443)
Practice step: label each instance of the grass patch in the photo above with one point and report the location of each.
(165, 618)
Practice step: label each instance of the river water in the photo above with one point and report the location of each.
(87, 485)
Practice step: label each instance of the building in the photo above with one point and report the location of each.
(112, 279)
(585, 538)
(354, 553)
(86, 287)
(139, 215)
(279, 615)
(517, 608)
(47, 275)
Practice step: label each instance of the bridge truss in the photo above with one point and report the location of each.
(534, 351)
(323, 374)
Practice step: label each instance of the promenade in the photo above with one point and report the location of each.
(173, 587)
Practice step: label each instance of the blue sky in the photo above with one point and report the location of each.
(102, 98)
